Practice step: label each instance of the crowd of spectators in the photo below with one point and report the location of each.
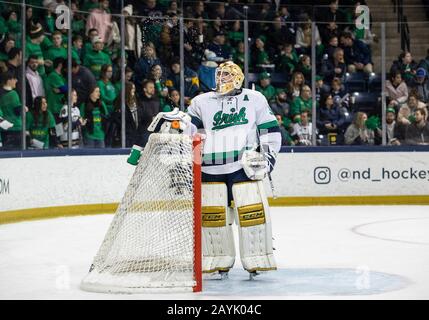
(280, 43)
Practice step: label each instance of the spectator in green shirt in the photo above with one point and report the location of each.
(92, 34)
(265, 86)
(96, 58)
(40, 124)
(108, 95)
(5, 47)
(302, 103)
(11, 110)
(77, 41)
(93, 111)
(108, 92)
(57, 50)
(33, 47)
(55, 87)
(173, 101)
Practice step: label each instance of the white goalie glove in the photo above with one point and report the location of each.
(257, 164)
(175, 121)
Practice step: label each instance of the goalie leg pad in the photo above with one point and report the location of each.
(254, 226)
(218, 238)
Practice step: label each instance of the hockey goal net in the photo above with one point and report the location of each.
(154, 240)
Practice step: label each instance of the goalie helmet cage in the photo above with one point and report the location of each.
(154, 241)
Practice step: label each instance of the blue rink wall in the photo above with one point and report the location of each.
(42, 184)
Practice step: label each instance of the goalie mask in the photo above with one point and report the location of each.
(229, 77)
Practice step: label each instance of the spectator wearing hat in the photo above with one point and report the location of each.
(87, 47)
(259, 56)
(56, 87)
(33, 47)
(421, 84)
(280, 105)
(133, 36)
(96, 58)
(321, 87)
(217, 45)
(265, 87)
(57, 50)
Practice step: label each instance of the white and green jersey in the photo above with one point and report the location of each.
(230, 124)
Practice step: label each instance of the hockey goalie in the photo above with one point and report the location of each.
(242, 138)
(153, 242)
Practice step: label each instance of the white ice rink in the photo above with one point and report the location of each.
(368, 252)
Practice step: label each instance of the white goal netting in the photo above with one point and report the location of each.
(150, 243)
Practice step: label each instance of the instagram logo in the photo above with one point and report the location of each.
(322, 175)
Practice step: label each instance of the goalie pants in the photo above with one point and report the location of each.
(229, 179)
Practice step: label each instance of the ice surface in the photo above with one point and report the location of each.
(369, 252)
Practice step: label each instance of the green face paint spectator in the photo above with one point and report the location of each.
(40, 124)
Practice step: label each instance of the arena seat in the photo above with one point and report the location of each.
(355, 82)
